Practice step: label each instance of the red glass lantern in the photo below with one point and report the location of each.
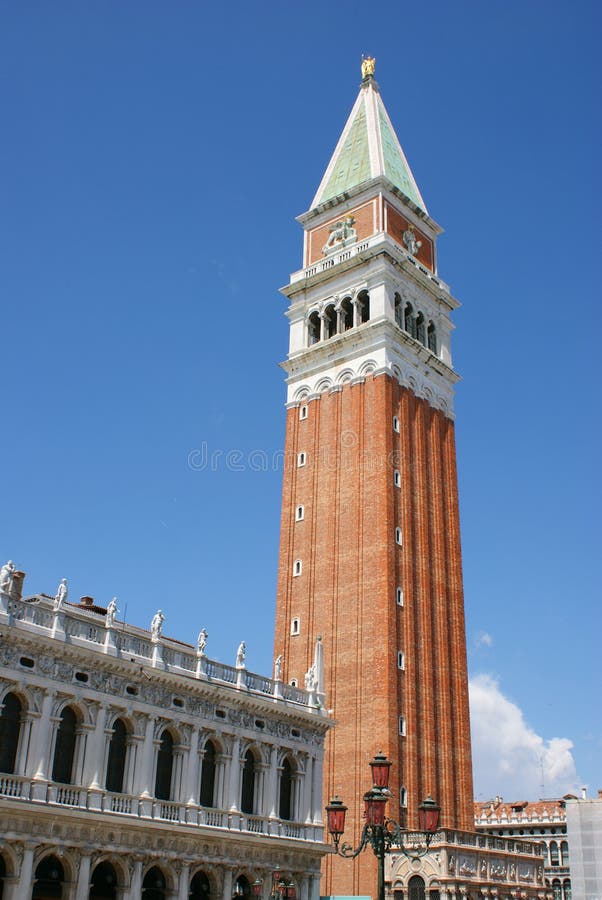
(257, 887)
(428, 816)
(290, 891)
(335, 817)
(380, 766)
(374, 806)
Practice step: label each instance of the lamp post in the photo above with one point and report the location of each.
(283, 888)
(379, 832)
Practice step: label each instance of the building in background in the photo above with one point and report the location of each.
(370, 540)
(132, 765)
(584, 830)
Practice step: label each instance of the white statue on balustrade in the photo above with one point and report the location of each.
(61, 595)
(241, 655)
(202, 641)
(7, 573)
(157, 626)
(112, 610)
(278, 668)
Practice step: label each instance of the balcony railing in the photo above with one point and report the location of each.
(19, 788)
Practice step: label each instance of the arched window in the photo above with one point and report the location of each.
(399, 310)
(208, 775)
(104, 882)
(164, 767)
(313, 329)
(420, 329)
(416, 888)
(200, 889)
(154, 885)
(564, 854)
(346, 314)
(116, 761)
(409, 322)
(566, 889)
(363, 303)
(10, 725)
(2, 875)
(285, 806)
(64, 748)
(48, 879)
(247, 800)
(554, 858)
(431, 338)
(330, 322)
(557, 889)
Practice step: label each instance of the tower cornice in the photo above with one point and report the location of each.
(378, 245)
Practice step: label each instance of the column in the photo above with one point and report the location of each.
(234, 784)
(83, 878)
(42, 745)
(23, 765)
(227, 888)
(184, 882)
(316, 791)
(192, 781)
(96, 752)
(25, 885)
(272, 791)
(145, 766)
(306, 810)
(136, 881)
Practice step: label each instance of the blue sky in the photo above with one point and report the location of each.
(153, 159)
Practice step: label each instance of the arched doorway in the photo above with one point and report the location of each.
(48, 879)
(154, 885)
(10, 725)
(242, 888)
(416, 888)
(2, 875)
(200, 889)
(104, 882)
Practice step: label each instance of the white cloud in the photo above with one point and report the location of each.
(508, 755)
(483, 639)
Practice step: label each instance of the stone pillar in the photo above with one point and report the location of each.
(227, 887)
(136, 881)
(42, 747)
(83, 878)
(96, 752)
(233, 802)
(308, 778)
(24, 752)
(272, 787)
(145, 766)
(192, 779)
(25, 885)
(316, 792)
(184, 882)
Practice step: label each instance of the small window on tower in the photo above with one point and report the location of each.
(403, 797)
(398, 536)
(297, 567)
(301, 457)
(401, 660)
(402, 726)
(293, 682)
(303, 412)
(397, 478)
(299, 514)
(396, 424)
(296, 626)
(399, 596)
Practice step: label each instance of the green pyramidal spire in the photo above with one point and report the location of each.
(368, 148)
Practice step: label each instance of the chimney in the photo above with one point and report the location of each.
(584, 793)
(16, 592)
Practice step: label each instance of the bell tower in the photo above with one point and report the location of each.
(370, 544)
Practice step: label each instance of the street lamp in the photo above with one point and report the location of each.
(380, 832)
(283, 888)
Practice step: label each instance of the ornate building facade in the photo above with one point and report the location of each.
(132, 765)
(370, 541)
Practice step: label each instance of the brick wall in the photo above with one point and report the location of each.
(347, 593)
